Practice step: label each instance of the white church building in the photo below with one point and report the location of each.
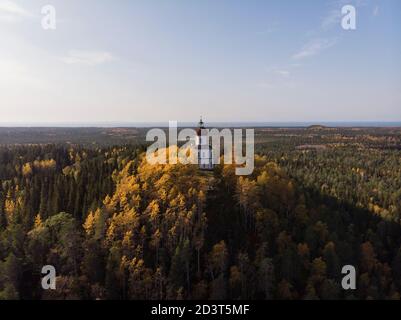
(205, 151)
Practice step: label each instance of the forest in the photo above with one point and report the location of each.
(116, 227)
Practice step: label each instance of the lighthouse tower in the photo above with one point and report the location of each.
(205, 152)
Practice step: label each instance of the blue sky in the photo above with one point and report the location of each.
(175, 60)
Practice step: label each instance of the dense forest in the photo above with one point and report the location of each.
(116, 227)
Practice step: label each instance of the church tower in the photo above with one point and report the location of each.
(205, 152)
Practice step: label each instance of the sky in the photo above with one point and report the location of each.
(160, 60)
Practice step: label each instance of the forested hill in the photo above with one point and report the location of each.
(116, 227)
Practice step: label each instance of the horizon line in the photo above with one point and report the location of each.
(144, 124)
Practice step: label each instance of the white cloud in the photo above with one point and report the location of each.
(314, 47)
(376, 11)
(12, 12)
(88, 58)
(332, 18)
(284, 73)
